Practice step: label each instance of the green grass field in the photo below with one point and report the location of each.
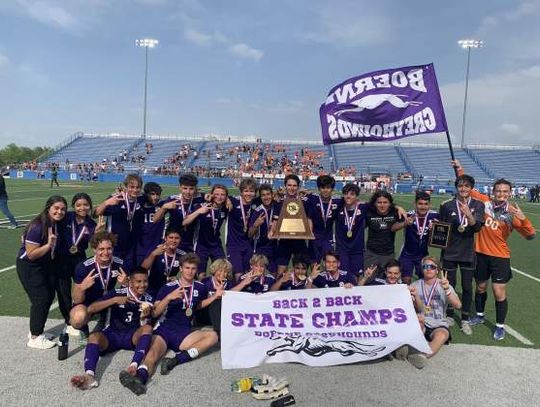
(27, 198)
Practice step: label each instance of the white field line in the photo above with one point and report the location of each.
(525, 274)
(7, 268)
(5, 220)
(518, 336)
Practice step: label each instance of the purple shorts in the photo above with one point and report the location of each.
(351, 262)
(172, 337)
(239, 258)
(318, 248)
(119, 339)
(286, 248)
(409, 264)
(205, 253)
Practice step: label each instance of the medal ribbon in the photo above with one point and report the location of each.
(53, 248)
(328, 213)
(423, 229)
(243, 212)
(504, 205)
(462, 218)
(168, 268)
(104, 281)
(189, 301)
(349, 222)
(184, 212)
(330, 278)
(214, 220)
(134, 296)
(76, 240)
(428, 296)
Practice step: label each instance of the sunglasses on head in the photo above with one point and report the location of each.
(429, 266)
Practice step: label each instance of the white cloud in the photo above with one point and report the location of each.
(203, 39)
(499, 106)
(49, 13)
(515, 14)
(245, 51)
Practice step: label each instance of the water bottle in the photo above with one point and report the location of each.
(245, 384)
(63, 344)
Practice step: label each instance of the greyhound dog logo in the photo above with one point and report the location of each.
(317, 347)
(372, 102)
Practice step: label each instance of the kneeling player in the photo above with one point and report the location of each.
(128, 328)
(295, 279)
(257, 280)
(175, 303)
(433, 295)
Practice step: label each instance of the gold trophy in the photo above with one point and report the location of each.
(292, 222)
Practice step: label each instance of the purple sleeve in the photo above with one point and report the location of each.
(163, 292)
(33, 235)
(112, 209)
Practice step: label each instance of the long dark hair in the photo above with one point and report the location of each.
(43, 218)
(383, 194)
(81, 195)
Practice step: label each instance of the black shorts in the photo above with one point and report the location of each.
(450, 265)
(429, 333)
(498, 268)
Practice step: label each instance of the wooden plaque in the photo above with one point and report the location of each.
(292, 222)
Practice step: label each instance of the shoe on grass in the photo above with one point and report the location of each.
(499, 333)
(466, 328)
(476, 320)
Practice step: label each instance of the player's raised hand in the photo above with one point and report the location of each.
(287, 276)
(515, 210)
(315, 271)
(445, 284)
(176, 294)
(51, 241)
(205, 208)
(122, 277)
(370, 271)
(220, 289)
(172, 204)
(89, 280)
(464, 208)
(100, 224)
(456, 164)
(259, 221)
(159, 250)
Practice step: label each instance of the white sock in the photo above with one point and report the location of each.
(193, 353)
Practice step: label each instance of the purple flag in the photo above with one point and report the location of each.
(383, 106)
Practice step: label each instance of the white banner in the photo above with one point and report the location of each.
(317, 327)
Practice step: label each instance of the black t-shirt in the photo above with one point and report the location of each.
(380, 236)
(461, 245)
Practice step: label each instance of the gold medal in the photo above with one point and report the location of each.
(245, 229)
(189, 312)
(427, 308)
(349, 234)
(461, 229)
(73, 249)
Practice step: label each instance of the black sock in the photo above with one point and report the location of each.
(501, 309)
(480, 302)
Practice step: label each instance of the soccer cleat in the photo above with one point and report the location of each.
(168, 364)
(466, 328)
(40, 342)
(270, 395)
(402, 352)
(132, 383)
(499, 333)
(418, 360)
(476, 320)
(272, 385)
(450, 321)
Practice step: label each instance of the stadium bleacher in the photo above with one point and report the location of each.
(430, 162)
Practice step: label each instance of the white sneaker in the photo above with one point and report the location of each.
(45, 334)
(72, 331)
(40, 342)
(466, 328)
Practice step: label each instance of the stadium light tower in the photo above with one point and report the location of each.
(468, 45)
(146, 43)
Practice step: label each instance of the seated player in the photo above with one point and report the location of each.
(392, 275)
(163, 262)
(128, 327)
(332, 276)
(175, 304)
(295, 279)
(433, 296)
(257, 280)
(220, 273)
(95, 276)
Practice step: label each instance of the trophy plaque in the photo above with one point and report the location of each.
(292, 222)
(440, 234)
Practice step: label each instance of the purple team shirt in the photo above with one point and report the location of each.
(325, 280)
(259, 285)
(163, 266)
(354, 244)
(124, 317)
(416, 245)
(175, 316)
(96, 291)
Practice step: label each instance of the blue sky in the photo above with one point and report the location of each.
(255, 67)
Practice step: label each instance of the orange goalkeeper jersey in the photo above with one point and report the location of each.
(491, 240)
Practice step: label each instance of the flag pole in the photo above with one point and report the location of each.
(451, 151)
